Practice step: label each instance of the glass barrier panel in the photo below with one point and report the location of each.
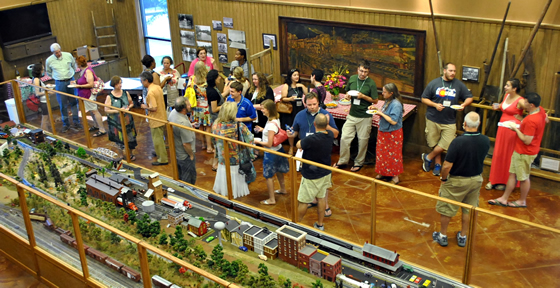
(112, 260)
(522, 254)
(406, 223)
(11, 218)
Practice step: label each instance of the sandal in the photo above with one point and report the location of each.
(132, 158)
(340, 166)
(356, 166)
(327, 211)
(214, 169)
(489, 186)
(209, 150)
(91, 129)
(99, 134)
(311, 205)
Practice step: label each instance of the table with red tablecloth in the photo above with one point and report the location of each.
(341, 111)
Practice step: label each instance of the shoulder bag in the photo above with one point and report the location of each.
(279, 137)
(284, 107)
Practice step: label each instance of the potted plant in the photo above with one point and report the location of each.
(336, 81)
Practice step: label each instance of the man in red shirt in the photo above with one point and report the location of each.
(527, 146)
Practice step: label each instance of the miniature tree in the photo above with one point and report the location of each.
(6, 129)
(125, 217)
(67, 146)
(9, 139)
(263, 270)
(132, 216)
(199, 252)
(172, 241)
(287, 283)
(115, 239)
(56, 175)
(179, 232)
(81, 152)
(6, 154)
(317, 284)
(58, 145)
(163, 239)
(155, 229)
(18, 152)
(83, 196)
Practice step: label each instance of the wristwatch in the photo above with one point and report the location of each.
(443, 180)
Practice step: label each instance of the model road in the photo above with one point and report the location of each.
(50, 241)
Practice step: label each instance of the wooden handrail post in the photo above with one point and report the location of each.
(144, 265)
(80, 244)
(85, 124)
(28, 226)
(49, 108)
(228, 169)
(19, 102)
(293, 175)
(126, 151)
(484, 120)
(172, 155)
(470, 244)
(373, 213)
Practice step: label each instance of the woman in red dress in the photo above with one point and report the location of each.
(505, 138)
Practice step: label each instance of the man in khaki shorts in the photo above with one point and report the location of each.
(461, 177)
(442, 96)
(527, 146)
(315, 181)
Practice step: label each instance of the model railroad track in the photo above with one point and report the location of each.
(378, 275)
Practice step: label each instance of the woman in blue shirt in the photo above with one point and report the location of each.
(389, 160)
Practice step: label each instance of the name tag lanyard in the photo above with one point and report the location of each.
(309, 123)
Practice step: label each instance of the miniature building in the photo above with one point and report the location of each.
(248, 237)
(36, 136)
(175, 218)
(262, 238)
(149, 195)
(148, 206)
(331, 266)
(231, 226)
(197, 226)
(290, 241)
(382, 255)
(103, 188)
(271, 249)
(237, 237)
(90, 172)
(315, 266)
(156, 185)
(303, 256)
(120, 179)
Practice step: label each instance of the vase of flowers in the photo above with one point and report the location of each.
(336, 81)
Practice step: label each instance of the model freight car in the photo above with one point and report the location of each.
(160, 282)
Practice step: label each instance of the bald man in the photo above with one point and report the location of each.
(461, 177)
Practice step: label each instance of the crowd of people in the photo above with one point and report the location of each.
(246, 110)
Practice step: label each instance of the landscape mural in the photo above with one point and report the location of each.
(396, 55)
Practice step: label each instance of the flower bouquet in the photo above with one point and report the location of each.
(336, 81)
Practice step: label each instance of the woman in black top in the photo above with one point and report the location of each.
(292, 92)
(259, 92)
(215, 101)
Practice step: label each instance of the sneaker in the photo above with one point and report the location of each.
(441, 240)
(77, 126)
(316, 226)
(461, 240)
(437, 169)
(426, 163)
(65, 129)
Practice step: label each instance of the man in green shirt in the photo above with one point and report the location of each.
(358, 121)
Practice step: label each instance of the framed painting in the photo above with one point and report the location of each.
(395, 54)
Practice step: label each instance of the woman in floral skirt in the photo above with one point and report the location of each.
(389, 159)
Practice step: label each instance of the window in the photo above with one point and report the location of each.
(155, 23)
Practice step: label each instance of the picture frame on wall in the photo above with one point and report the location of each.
(222, 38)
(470, 73)
(208, 46)
(223, 58)
(189, 54)
(266, 41)
(237, 39)
(222, 48)
(203, 33)
(186, 21)
(187, 38)
(217, 25)
(396, 54)
(228, 22)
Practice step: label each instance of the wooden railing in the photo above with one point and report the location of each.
(142, 246)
